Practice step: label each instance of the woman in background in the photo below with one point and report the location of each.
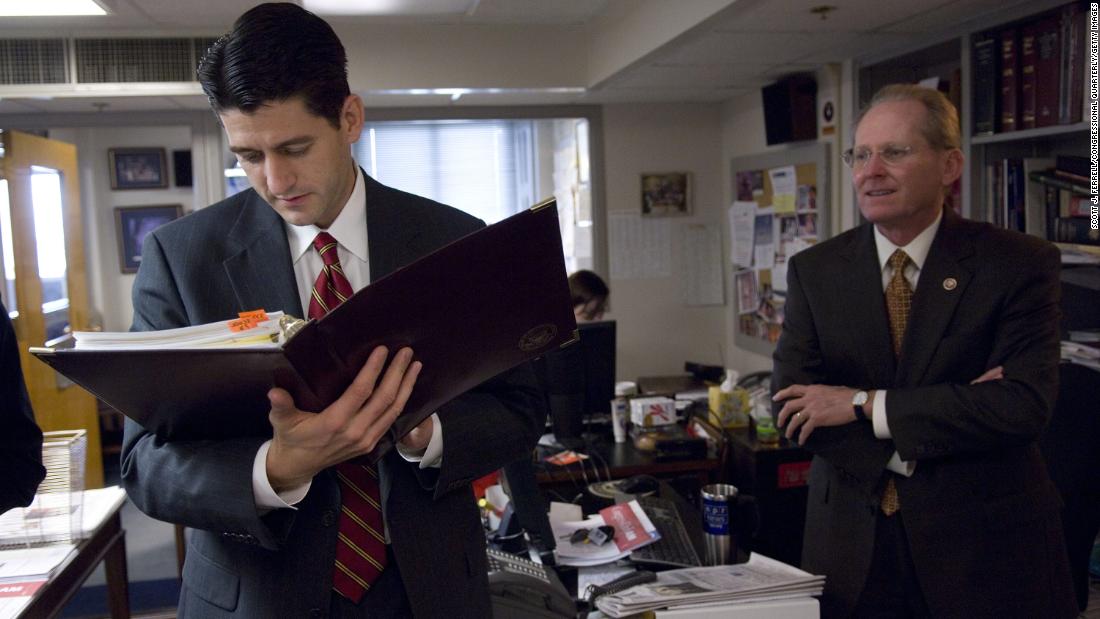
(589, 294)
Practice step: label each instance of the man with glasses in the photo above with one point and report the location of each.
(918, 362)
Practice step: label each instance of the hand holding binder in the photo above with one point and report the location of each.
(305, 443)
(470, 311)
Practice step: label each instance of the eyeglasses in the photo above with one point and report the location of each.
(891, 156)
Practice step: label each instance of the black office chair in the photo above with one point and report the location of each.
(1069, 448)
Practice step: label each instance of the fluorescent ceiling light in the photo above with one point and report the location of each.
(456, 93)
(390, 7)
(49, 8)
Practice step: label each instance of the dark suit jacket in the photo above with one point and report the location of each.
(980, 511)
(21, 440)
(233, 256)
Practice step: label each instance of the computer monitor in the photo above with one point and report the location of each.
(580, 380)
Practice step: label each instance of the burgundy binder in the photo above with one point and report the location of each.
(470, 311)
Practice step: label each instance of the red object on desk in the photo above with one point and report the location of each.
(484, 482)
(793, 475)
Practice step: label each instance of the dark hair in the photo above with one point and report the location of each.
(585, 285)
(276, 51)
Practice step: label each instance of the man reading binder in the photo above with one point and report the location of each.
(293, 526)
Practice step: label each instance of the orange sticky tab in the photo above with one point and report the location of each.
(254, 316)
(240, 324)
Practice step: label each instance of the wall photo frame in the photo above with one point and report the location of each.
(133, 223)
(138, 168)
(666, 193)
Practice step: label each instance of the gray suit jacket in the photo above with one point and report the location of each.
(233, 256)
(980, 511)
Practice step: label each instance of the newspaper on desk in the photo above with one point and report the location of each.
(760, 579)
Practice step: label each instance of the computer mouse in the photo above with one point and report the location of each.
(639, 484)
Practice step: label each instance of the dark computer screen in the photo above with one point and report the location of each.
(580, 380)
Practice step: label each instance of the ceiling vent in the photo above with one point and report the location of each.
(101, 61)
(33, 61)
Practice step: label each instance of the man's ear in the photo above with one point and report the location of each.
(952, 167)
(351, 118)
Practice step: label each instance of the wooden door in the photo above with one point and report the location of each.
(50, 285)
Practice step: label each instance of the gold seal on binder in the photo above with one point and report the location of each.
(537, 337)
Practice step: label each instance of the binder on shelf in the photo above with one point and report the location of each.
(1048, 54)
(1010, 70)
(1035, 213)
(1027, 77)
(1050, 178)
(470, 311)
(1077, 230)
(986, 94)
(1073, 82)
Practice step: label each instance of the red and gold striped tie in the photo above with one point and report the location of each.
(361, 542)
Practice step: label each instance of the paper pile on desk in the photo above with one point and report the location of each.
(633, 529)
(23, 571)
(760, 579)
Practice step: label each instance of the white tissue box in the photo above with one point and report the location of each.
(651, 412)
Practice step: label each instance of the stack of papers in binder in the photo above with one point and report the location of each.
(761, 579)
(256, 328)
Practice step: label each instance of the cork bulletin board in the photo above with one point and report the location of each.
(783, 197)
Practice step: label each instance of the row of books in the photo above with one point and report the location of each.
(1031, 74)
(1043, 196)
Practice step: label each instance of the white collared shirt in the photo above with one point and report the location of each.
(917, 250)
(350, 231)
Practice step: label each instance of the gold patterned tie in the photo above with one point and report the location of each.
(361, 542)
(899, 298)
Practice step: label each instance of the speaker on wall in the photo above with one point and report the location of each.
(181, 162)
(790, 109)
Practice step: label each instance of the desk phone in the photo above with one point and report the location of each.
(521, 588)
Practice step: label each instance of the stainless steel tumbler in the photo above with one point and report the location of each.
(718, 502)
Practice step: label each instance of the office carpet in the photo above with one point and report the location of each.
(146, 597)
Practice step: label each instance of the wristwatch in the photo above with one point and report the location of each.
(858, 400)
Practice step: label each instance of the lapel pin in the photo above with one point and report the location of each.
(949, 284)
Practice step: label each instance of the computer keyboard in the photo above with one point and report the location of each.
(674, 547)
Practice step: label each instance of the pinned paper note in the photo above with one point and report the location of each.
(784, 189)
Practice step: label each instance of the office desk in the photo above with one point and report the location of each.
(777, 476)
(622, 460)
(105, 541)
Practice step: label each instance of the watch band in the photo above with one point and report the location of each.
(860, 415)
(859, 400)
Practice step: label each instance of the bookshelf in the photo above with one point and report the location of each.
(999, 146)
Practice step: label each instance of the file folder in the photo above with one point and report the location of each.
(471, 310)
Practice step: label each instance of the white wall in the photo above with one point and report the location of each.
(109, 288)
(657, 332)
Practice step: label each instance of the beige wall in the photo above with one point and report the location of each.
(110, 288)
(657, 332)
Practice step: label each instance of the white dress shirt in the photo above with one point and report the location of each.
(917, 250)
(350, 231)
